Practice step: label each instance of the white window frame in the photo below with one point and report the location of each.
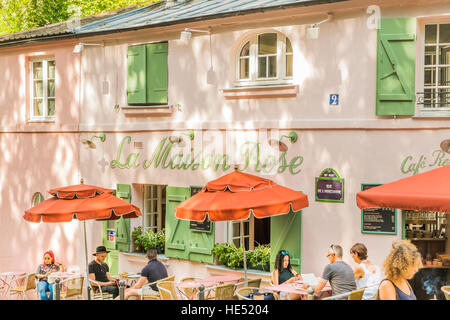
(44, 117)
(253, 80)
(420, 67)
(250, 236)
(149, 210)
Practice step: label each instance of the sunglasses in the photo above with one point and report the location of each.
(332, 249)
(284, 252)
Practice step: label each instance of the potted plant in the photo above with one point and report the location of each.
(135, 244)
(160, 238)
(221, 253)
(235, 258)
(260, 258)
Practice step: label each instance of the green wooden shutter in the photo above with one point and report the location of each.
(396, 63)
(286, 234)
(123, 234)
(136, 81)
(157, 73)
(177, 231)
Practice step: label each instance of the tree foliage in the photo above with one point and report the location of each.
(20, 15)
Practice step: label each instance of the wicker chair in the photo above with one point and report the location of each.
(244, 291)
(357, 294)
(446, 290)
(154, 297)
(167, 290)
(97, 293)
(29, 283)
(74, 288)
(224, 292)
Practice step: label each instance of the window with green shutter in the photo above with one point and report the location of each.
(396, 62)
(147, 81)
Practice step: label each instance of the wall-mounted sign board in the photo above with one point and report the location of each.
(378, 220)
(329, 187)
(204, 226)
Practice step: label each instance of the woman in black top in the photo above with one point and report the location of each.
(283, 272)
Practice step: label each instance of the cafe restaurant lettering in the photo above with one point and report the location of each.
(162, 157)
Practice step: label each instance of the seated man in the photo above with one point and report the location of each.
(153, 271)
(99, 271)
(338, 273)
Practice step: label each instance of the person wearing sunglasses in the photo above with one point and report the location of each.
(338, 273)
(284, 273)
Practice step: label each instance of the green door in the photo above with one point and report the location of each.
(116, 233)
(396, 64)
(182, 240)
(286, 234)
(176, 230)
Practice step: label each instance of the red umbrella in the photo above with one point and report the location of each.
(235, 196)
(428, 191)
(82, 202)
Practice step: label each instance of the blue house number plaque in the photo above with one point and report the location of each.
(334, 99)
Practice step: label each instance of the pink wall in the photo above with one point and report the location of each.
(36, 157)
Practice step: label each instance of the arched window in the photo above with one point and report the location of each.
(37, 198)
(265, 58)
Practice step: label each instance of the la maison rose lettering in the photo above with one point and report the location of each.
(162, 157)
(413, 165)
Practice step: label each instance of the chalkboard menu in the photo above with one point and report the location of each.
(205, 225)
(378, 220)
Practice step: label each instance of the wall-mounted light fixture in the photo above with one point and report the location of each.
(79, 47)
(178, 139)
(445, 146)
(91, 144)
(187, 34)
(292, 136)
(312, 32)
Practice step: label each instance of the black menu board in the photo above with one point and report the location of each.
(379, 220)
(196, 225)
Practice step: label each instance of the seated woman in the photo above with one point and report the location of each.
(43, 271)
(367, 275)
(283, 272)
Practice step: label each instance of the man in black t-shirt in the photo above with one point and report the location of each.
(99, 272)
(153, 271)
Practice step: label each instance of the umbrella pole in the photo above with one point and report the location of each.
(245, 259)
(86, 257)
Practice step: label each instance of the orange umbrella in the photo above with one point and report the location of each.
(428, 191)
(83, 202)
(235, 196)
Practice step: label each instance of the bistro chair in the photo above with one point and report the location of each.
(357, 294)
(25, 284)
(167, 290)
(96, 291)
(154, 297)
(224, 292)
(73, 288)
(446, 290)
(242, 293)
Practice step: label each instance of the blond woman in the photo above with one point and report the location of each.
(400, 265)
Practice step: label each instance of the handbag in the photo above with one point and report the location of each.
(261, 296)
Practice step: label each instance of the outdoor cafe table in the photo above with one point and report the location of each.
(130, 279)
(62, 276)
(222, 279)
(193, 285)
(6, 278)
(296, 287)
